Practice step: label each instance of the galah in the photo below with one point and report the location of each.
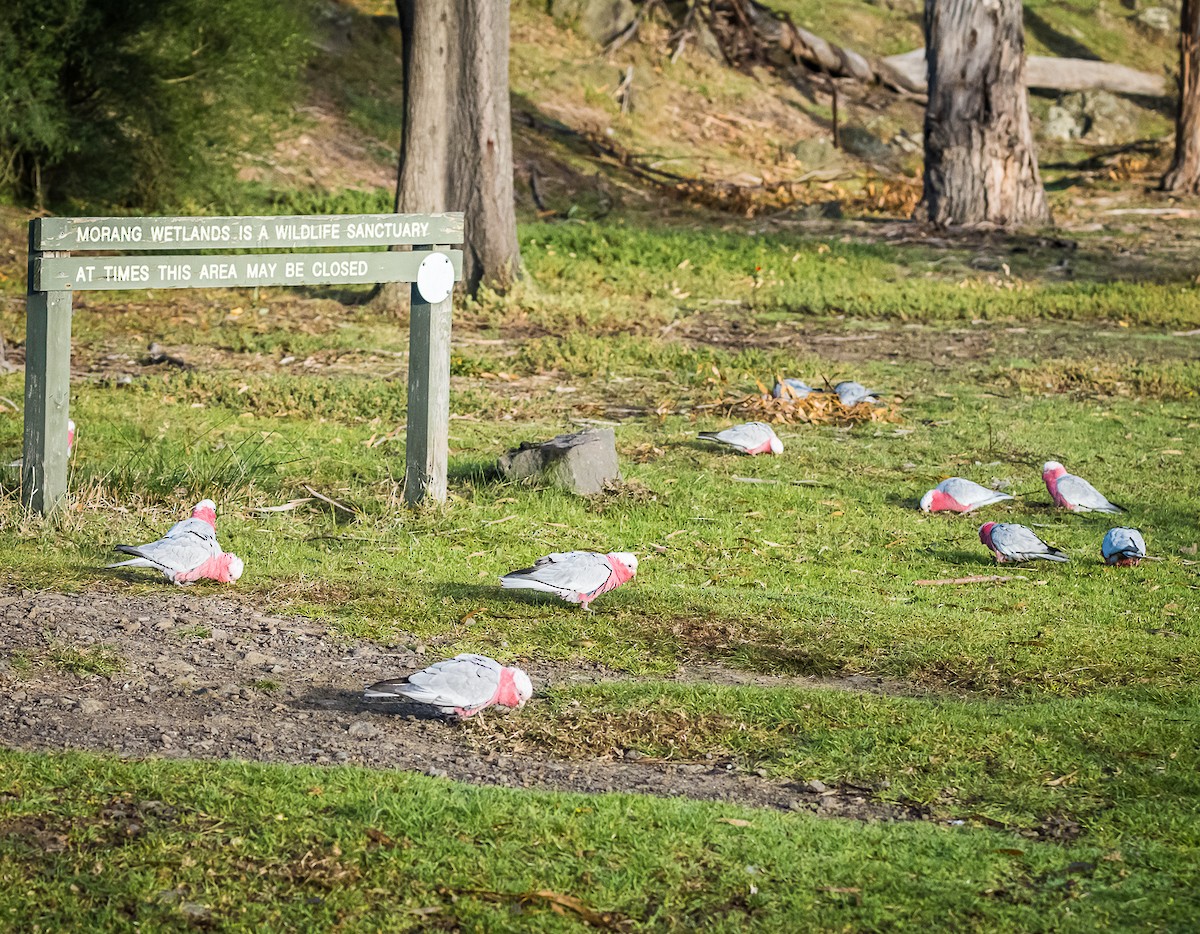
(851, 393)
(575, 576)
(188, 552)
(792, 388)
(1012, 543)
(1123, 547)
(748, 438)
(463, 685)
(1074, 493)
(958, 495)
(20, 461)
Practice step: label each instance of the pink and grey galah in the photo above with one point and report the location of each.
(1074, 493)
(955, 494)
(463, 685)
(1013, 544)
(575, 576)
(749, 438)
(1123, 547)
(188, 552)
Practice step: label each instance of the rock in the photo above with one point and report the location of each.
(257, 658)
(1096, 116)
(1158, 19)
(362, 728)
(817, 786)
(861, 142)
(583, 462)
(599, 20)
(89, 706)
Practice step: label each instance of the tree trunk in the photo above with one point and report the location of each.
(980, 164)
(1184, 175)
(456, 151)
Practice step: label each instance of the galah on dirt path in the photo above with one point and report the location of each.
(1074, 493)
(792, 388)
(1123, 547)
(575, 576)
(958, 495)
(463, 685)
(851, 393)
(749, 438)
(188, 552)
(20, 461)
(1013, 544)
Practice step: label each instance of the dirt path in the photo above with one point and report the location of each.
(210, 678)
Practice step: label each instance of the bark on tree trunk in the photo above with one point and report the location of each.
(456, 151)
(1184, 175)
(980, 163)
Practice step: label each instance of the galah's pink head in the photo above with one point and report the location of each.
(230, 568)
(70, 435)
(523, 685)
(927, 500)
(206, 509)
(985, 533)
(627, 560)
(1052, 470)
(776, 444)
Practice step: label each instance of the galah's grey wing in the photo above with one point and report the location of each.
(172, 554)
(1125, 543)
(749, 435)
(970, 493)
(465, 681)
(569, 572)
(1078, 491)
(1017, 540)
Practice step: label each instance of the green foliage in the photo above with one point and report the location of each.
(139, 103)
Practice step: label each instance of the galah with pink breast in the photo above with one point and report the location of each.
(575, 576)
(188, 552)
(1014, 544)
(463, 685)
(1074, 493)
(955, 494)
(748, 438)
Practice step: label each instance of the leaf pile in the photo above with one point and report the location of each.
(817, 408)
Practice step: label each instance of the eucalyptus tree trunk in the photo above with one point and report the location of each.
(1184, 175)
(980, 163)
(456, 150)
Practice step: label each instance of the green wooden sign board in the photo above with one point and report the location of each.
(54, 273)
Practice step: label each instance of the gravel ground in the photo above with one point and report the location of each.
(207, 677)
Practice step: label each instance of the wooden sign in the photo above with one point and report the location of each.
(54, 274)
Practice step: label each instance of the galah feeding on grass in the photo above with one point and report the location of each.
(749, 438)
(792, 388)
(188, 552)
(463, 685)
(575, 576)
(1013, 544)
(1123, 547)
(1074, 493)
(20, 461)
(851, 393)
(958, 495)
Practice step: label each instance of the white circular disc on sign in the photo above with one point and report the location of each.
(435, 278)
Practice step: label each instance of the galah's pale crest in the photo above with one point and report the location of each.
(748, 438)
(958, 495)
(1013, 544)
(463, 685)
(1074, 493)
(1123, 547)
(188, 552)
(851, 393)
(792, 388)
(575, 576)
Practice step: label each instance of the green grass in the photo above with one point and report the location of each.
(90, 843)
(94, 659)
(1064, 697)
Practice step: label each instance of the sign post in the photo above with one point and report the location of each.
(56, 270)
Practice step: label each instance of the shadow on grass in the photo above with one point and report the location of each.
(352, 702)
(475, 473)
